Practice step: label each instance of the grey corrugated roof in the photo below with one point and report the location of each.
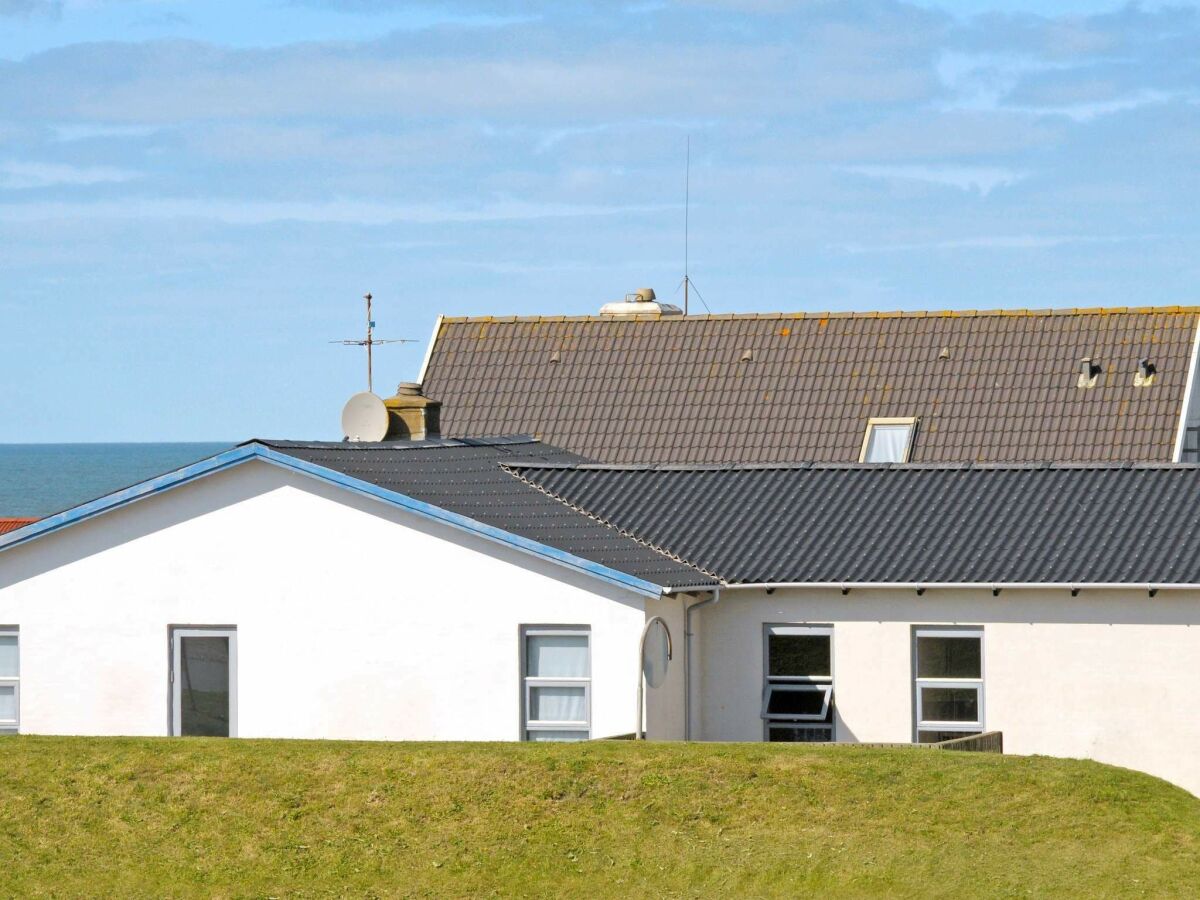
(465, 477)
(1055, 524)
(998, 386)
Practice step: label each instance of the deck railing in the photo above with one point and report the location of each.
(987, 742)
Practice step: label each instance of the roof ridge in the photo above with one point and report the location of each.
(847, 314)
(822, 466)
(662, 551)
(439, 443)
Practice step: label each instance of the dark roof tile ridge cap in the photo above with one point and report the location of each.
(659, 467)
(531, 464)
(848, 314)
(661, 551)
(427, 444)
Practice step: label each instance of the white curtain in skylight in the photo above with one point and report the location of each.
(887, 443)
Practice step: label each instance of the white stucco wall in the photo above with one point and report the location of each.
(1106, 675)
(354, 619)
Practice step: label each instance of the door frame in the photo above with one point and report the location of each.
(181, 631)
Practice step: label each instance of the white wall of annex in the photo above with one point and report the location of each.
(354, 619)
(1106, 675)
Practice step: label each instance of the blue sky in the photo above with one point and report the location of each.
(194, 194)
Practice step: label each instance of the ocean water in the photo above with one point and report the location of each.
(40, 479)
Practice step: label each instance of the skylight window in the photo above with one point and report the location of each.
(888, 440)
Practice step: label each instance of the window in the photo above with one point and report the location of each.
(949, 683)
(204, 682)
(797, 703)
(888, 440)
(10, 681)
(557, 684)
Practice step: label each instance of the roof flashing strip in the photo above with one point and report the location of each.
(246, 452)
(957, 585)
(1189, 387)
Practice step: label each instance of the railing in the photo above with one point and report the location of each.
(987, 742)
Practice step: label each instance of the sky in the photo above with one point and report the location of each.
(195, 194)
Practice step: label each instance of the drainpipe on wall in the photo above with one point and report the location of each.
(687, 661)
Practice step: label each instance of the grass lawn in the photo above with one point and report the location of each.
(155, 817)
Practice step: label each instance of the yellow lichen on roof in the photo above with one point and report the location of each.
(842, 314)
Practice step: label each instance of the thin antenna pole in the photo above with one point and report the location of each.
(687, 198)
(370, 344)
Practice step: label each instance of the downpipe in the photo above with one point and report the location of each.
(687, 660)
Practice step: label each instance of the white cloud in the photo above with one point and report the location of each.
(83, 131)
(980, 179)
(30, 7)
(1086, 111)
(16, 176)
(995, 242)
(340, 212)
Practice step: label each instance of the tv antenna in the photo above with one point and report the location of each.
(687, 284)
(371, 342)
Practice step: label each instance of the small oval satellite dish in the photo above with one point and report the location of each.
(364, 418)
(656, 652)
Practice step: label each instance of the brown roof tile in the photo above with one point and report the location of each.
(680, 390)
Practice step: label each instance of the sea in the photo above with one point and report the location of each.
(39, 479)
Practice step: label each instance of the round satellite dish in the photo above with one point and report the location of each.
(657, 653)
(364, 418)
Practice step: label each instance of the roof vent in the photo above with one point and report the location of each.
(1089, 372)
(641, 302)
(1144, 376)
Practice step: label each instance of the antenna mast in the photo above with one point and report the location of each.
(687, 197)
(370, 343)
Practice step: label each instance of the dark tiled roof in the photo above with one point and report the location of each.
(465, 477)
(800, 387)
(10, 524)
(905, 524)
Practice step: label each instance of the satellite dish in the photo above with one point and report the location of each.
(656, 652)
(364, 418)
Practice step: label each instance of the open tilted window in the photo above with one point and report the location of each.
(557, 683)
(949, 683)
(888, 440)
(797, 704)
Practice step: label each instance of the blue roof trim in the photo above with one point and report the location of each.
(246, 452)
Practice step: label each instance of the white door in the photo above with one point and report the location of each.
(204, 682)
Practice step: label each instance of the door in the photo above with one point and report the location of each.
(204, 682)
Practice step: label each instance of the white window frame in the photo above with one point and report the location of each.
(976, 684)
(529, 682)
(813, 683)
(12, 726)
(178, 632)
(910, 421)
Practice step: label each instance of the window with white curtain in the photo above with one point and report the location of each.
(888, 440)
(557, 683)
(797, 703)
(10, 680)
(949, 683)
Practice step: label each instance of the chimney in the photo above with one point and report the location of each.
(411, 415)
(640, 303)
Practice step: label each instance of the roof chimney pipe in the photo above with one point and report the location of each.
(411, 415)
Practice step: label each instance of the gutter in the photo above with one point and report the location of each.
(687, 660)
(995, 587)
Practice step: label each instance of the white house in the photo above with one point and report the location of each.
(497, 590)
